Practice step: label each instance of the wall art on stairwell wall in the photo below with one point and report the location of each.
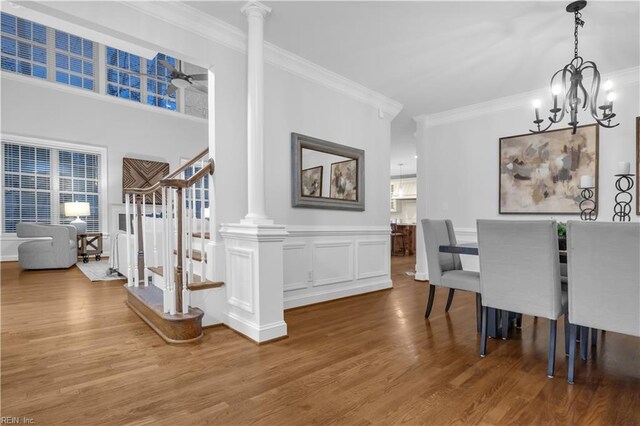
(540, 173)
(143, 174)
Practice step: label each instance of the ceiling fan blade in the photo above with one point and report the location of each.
(199, 88)
(167, 65)
(171, 89)
(199, 77)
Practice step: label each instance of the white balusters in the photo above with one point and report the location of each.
(144, 239)
(136, 231)
(155, 243)
(186, 258)
(170, 234)
(128, 235)
(167, 246)
(192, 228)
(203, 231)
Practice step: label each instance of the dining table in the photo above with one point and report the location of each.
(494, 326)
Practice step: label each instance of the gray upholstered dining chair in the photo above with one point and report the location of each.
(445, 269)
(604, 279)
(520, 272)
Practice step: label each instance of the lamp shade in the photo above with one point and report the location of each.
(76, 208)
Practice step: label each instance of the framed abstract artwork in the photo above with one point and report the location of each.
(344, 180)
(311, 185)
(143, 174)
(540, 173)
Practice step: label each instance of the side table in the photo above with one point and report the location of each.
(90, 244)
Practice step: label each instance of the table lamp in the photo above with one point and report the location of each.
(77, 209)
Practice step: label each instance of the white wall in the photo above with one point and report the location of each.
(54, 112)
(458, 159)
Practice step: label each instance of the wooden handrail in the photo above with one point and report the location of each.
(170, 176)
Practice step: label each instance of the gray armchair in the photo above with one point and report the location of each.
(61, 251)
(604, 279)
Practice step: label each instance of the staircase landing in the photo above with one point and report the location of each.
(146, 302)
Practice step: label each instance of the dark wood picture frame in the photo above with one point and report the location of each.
(302, 194)
(596, 174)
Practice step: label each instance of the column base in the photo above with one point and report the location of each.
(254, 279)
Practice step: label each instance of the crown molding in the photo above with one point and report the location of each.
(192, 20)
(621, 78)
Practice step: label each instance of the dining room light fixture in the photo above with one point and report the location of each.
(568, 91)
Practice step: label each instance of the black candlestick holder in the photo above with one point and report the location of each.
(622, 208)
(587, 206)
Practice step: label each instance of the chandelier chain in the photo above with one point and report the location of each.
(578, 23)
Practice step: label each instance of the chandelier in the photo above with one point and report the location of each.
(568, 82)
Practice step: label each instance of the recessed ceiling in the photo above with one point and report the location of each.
(435, 56)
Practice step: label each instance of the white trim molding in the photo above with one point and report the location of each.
(191, 19)
(621, 78)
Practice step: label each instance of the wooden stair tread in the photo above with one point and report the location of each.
(147, 303)
(197, 255)
(199, 235)
(203, 285)
(158, 270)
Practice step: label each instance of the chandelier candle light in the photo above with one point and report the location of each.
(568, 83)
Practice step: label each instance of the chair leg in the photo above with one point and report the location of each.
(594, 337)
(518, 320)
(449, 299)
(432, 293)
(505, 325)
(478, 312)
(567, 326)
(553, 326)
(573, 331)
(584, 343)
(483, 338)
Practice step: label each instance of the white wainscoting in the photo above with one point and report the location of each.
(326, 263)
(240, 269)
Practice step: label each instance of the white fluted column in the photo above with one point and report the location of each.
(255, 13)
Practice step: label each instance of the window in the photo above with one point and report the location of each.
(39, 180)
(24, 46)
(201, 190)
(126, 80)
(38, 51)
(123, 74)
(158, 81)
(75, 62)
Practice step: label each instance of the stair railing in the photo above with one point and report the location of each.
(179, 217)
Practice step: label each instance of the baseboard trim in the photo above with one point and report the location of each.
(259, 334)
(340, 293)
(421, 276)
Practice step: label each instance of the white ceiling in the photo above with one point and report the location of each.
(435, 56)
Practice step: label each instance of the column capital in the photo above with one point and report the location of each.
(255, 8)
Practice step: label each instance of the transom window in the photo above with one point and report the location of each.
(35, 50)
(24, 46)
(75, 62)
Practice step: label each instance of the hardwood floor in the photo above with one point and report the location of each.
(72, 352)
